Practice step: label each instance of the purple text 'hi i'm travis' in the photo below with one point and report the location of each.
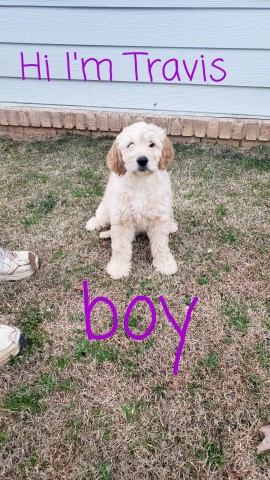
(88, 307)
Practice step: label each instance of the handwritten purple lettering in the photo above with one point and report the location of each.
(88, 307)
(138, 66)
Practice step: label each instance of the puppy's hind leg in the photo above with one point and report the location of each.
(100, 220)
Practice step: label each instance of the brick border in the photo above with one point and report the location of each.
(37, 123)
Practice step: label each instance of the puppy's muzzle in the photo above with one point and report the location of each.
(142, 164)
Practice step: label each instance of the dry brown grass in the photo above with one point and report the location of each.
(71, 409)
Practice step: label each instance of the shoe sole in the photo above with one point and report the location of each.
(16, 352)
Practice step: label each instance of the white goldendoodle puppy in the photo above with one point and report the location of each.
(138, 198)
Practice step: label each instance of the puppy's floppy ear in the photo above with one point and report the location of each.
(115, 160)
(167, 154)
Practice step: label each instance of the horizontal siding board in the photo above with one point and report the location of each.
(140, 3)
(243, 67)
(191, 29)
(185, 99)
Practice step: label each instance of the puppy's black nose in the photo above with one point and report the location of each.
(142, 161)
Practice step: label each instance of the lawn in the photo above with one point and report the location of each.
(79, 410)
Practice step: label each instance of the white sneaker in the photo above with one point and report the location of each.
(17, 265)
(11, 342)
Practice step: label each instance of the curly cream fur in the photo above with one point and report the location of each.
(138, 201)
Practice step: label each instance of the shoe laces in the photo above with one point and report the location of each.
(6, 254)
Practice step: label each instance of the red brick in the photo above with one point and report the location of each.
(125, 120)
(177, 139)
(45, 119)
(24, 118)
(225, 128)
(175, 126)
(252, 129)
(91, 121)
(114, 122)
(149, 119)
(187, 127)
(264, 133)
(162, 122)
(39, 132)
(33, 118)
(3, 117)
(56, 119)
(68, 120)
(252, 143)
(103, 121)
(12, 132)
(212, 129)
(85, 133)
(229, 141)
(200, 127)
(98, 134)
(238, 129)
(80, 120)
(222, 141)
(3, 129)
(13, 118)
(137, 118)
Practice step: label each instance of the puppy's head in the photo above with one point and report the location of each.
(141, 149)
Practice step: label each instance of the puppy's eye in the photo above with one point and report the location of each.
(131, 143)
(152, 144)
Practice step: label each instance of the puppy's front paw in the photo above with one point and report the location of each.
(106, 234)
(173, 227)
(165, 264)
(117, 269)
(92, 224)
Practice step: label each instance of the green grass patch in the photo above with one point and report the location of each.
(76, 317)
(99, 350)
(208, 175)
(90, 269)
(86, 174)
(228, 340)
(134, 321)
(2, 435)
(82, 192)
(62, 362)
(160, 391)
(104, 472)
(48, 383)
(39, 209)
(228, 235)
(30, 320)
(256, 353)
(146, 285)
(33, 460)
(221, 210)
(236, 314)
(210, 362)
(23, 400)
(254, 385)
(149, 343)
(212, 454)
(132, 411)
(58, 255)
(33, 177)
(202, 281)
(44, 206)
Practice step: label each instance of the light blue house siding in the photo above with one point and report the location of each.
(234, 34)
